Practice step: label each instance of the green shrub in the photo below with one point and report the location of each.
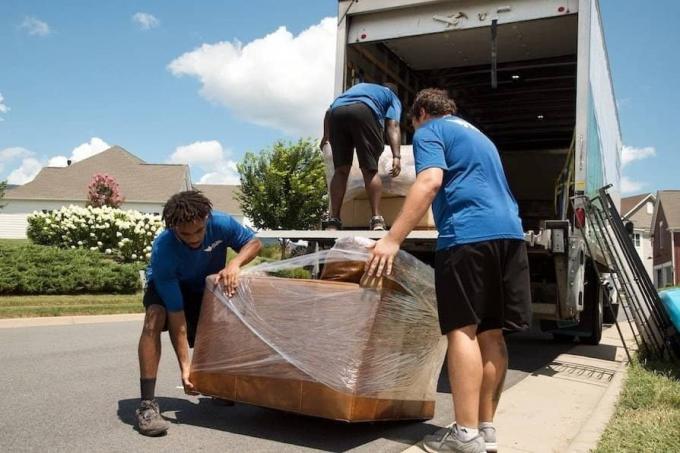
(33, 269)
(296, 272)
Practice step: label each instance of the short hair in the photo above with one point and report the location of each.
(186, 207)
(393, 87)
(434, 101)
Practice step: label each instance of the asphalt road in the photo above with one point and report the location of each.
(76, 387)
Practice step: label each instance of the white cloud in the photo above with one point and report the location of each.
(145, 21)
(630, 154)
(210, 157)
(95, 146)
(629, 186)
(57, 161)
(35, 27)
(12, 153)
(3, 106)
(28, 170)
(280, 81)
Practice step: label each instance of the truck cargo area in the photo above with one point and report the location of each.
(530, 114)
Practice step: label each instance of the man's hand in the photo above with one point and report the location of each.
(189, 388)
(229, 278)
(382, 257)
(396, 167)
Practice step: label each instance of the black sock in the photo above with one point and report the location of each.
(148, 387)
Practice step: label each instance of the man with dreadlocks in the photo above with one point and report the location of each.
(193, 246)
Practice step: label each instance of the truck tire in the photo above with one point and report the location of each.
(596, 315)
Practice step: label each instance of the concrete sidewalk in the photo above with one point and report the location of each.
(566, 405)
(67, 320)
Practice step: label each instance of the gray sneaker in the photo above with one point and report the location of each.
(149, 419)
(489, 435)
(447, 442)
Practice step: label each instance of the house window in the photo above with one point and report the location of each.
(669, 276)
(636, 239)
(662, 235)
(659, 278)
(650, 208)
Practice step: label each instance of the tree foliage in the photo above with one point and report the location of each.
(3, 187)
(284, 187)
(103, 190)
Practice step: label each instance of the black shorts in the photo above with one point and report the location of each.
(484, 283)
(192, 308)
(355, 126)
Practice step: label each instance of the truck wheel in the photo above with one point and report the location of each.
(596, 315)
(610, 318)
(563, 338)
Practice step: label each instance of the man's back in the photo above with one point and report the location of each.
(474, 203)
(380, 99)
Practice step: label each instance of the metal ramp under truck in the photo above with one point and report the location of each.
(607, 237)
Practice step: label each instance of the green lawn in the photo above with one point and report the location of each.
(647, 417)
(88, 304)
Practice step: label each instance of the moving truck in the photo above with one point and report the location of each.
(533, 75)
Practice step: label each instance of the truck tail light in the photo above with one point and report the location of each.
(580, 217)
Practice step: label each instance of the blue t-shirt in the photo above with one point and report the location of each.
(174, 264)
(380, 99)
(474, 203)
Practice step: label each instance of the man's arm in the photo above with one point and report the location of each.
(417, 202)
(177, 327)
(394, 140)
(326, 129)
(229, 276)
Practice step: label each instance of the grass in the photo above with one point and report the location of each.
(89, 304)
(647, 417)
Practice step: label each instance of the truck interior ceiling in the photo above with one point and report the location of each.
(529, 114)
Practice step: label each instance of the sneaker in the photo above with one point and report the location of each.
(447, 442)
(489, 435)
(149, 419)
(332, 224)
(377, 223)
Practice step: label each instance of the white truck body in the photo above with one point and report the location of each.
(533, 75)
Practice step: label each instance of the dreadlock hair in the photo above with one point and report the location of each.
(186, 207)
(434, 101)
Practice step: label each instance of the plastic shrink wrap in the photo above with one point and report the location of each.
(340, 347)
(356, 210)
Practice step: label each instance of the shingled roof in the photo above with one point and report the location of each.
(670, 202)
(222, 197)
(138, 180)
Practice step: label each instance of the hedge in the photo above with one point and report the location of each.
(28, 269)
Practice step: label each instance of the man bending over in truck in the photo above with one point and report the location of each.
(355, 120)
(193, 246)
(481, 264)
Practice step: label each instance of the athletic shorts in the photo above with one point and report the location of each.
(192, 308)
(355, 126)
(484, 283)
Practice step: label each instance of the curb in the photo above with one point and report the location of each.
(592, 429)
(12, 323)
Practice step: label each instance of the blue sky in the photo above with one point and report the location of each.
(76, 76)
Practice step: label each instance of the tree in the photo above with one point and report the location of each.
(284, 187)
(3, 187)
(103, 190)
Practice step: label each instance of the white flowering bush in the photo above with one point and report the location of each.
(127, 235)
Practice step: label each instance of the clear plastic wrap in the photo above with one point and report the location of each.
(375, 339)
(398, 186)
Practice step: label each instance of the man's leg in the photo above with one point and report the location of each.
(495, 363)
(464, 362)
(338, 188)
(149, 419)
(373, 185)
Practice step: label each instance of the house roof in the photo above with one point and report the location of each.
(670, 202)
(628, 203)
(222, 197)
(138, 181)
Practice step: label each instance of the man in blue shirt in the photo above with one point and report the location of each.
(355, 120)
(193, 246)
(481, 263)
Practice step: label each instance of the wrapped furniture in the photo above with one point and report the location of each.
(356, 210)
(337, 347)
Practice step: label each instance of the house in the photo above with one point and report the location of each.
(146, 187)
(639, 209)
(666, 238)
